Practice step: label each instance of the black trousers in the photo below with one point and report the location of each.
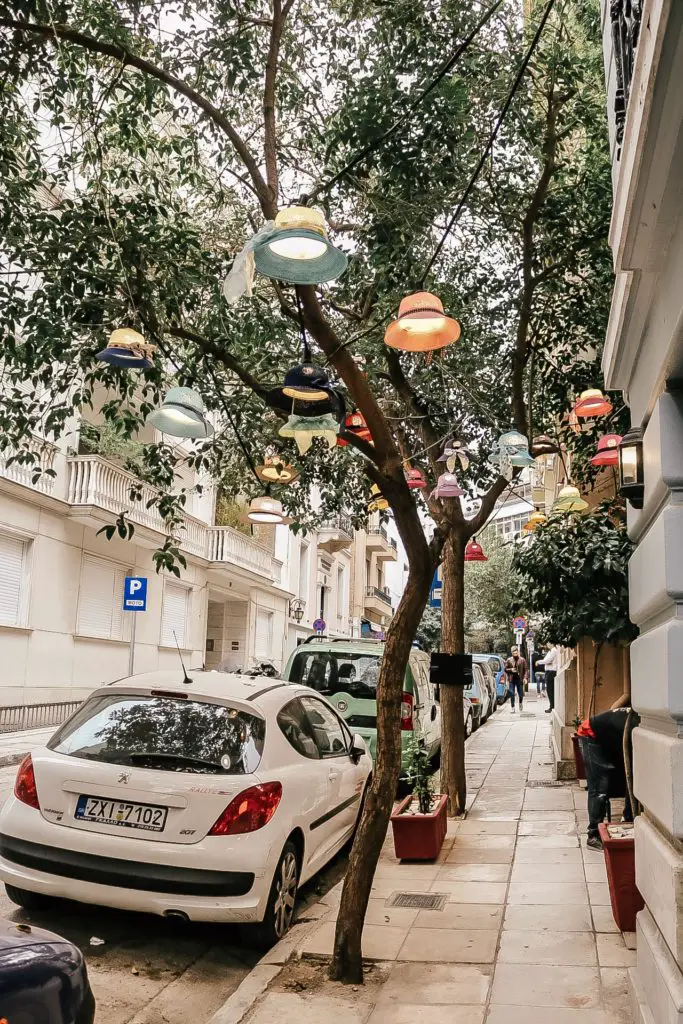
(604, 780)
(550, 687)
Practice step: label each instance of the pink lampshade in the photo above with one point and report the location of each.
(447, 486)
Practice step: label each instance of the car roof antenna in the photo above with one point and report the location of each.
(186, 678)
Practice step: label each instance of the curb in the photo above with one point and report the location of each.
(9, 759)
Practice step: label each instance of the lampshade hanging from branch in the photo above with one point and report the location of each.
(127, 348)
(355, 424)
(592, 403)
(304, 428)
(276, 470)
(377, 503)
(297, 250)
(415, 479)
(447, 487)
(422, 325)
(535, 520)
(608, 451)
(265, 511)
(454, 452)
(474, 551)
(181, 415)
(569, 500)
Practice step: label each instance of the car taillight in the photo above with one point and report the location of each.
(407, 711)
(474, 700)
(249, 811)
(25, 785)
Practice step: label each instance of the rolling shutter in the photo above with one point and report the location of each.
(100, 604)
(264, 633)
(174, 617)
(12, 553)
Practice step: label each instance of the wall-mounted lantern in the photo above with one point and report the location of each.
(631, 475)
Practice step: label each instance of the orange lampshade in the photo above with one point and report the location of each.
(355, 424)
(592, 403)
(422, 325)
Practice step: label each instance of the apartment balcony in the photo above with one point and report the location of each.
(336, 535)
(32, 474)
(377, 604)
(384, 546)
(98, 490)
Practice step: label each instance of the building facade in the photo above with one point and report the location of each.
(643, 357)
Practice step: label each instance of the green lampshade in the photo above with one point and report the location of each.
(181, 415)
(521, 459)
(299, 256)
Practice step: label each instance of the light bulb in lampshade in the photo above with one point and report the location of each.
(265, 511)
(298, 248)
(424, 325)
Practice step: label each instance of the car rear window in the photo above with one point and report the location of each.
(331, 672)
(163, 733)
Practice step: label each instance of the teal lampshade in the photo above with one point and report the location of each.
(181, 415)
(512, 439)
(298, 250)
(522, 458)
(304, 428)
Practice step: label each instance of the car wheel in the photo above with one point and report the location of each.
(27, 900)
(280, 907)
(468, 726)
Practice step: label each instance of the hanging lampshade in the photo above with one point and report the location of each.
(422, 325)
(474, 551)
(535, 520)
(544, 445)
(454, 452)
(569, 500)
(513, 441)
(355, 423)
(298, 250)
(275, 470)
(265, 511)
(608, 451)
(304, 428)
(415, 479)
(447, 487)
(181, 415)
(129, 349)
(592, 403)
(377, 503)
(521, 459)
(308, 382)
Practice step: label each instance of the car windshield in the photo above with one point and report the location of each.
(331, 672)
(176, 735)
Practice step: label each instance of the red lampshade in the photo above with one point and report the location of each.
(355, 424)
(592, 403)
(422, 325)
(415, 479)
(474, 552)
(608, 451)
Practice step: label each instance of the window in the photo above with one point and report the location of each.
(164, 734)
(331, 737)
(337, 672)
(296, 729)
(100, 600)
(175, 616)
(303, 573)
(342, 598)
(263, 647)
(13, 553)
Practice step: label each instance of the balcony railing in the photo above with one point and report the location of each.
(342, 523)
(95, 482)
(35, 716)
(32, 474)
(381, 595)
(625, 16)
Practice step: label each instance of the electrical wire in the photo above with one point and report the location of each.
(226, 408)
(372, 146)
(492, 138)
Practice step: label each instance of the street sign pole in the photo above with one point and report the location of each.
(134, 601)
(131, 653)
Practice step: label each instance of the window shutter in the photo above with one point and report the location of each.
(264, 633)
(100, 605)
(174, 617)
(12, 552)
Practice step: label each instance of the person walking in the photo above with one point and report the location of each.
(601, 739)
(550, 665)
(517, 671)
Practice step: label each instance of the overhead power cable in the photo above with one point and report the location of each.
(492, 138)
(376, 143)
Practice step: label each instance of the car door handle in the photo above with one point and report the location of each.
(333, 774)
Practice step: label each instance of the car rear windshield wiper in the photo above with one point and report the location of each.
(152, 755)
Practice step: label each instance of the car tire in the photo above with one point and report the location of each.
(469, 726)
(281, 900)
(28, 900)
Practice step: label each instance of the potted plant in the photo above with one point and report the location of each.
(419, 822)
(578, 756)
(619, 847)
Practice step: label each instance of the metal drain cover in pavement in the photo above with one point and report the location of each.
(548, 784)
(417, 900)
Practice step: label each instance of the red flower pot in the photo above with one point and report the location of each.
(419, 836)
(578, 757)
(620, 861)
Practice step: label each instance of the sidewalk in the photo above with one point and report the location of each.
(524, 931)
(15, 745)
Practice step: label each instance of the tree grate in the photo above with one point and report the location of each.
(548, 784)
(417, 900)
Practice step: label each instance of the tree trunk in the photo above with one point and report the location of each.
(347, 962)
(453, 779)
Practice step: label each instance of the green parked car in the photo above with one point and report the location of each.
(346, 673)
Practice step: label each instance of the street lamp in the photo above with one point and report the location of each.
(631, 475)
(296, 609)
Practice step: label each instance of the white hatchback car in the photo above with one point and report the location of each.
(210, 800)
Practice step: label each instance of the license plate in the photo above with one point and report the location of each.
(120, 812)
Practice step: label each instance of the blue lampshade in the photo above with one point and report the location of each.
(513, 439)
(307, 382)
(127, 348)
(181, 415)
(298, 250)
(521, 459)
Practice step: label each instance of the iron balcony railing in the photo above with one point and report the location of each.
(342, 523)
(36, 716)
(625, 17)
(381, 595)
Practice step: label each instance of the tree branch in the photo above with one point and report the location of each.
(126, 56)
(269, 123)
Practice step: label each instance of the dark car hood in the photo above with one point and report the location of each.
(18, 937)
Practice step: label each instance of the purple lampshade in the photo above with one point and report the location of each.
(447, 487)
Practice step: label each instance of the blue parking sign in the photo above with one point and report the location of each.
(135, 594)
(436, 589)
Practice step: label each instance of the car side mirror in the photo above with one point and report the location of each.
(358, 748)
(433, 712)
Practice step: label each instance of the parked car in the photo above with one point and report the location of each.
(478, 694)
(497, 663)
(468, 713)
(210, 798)
(490, 677)
(43, 978)
(346, 673)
